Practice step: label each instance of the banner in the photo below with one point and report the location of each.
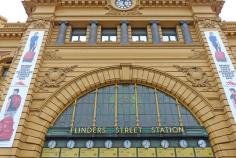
(17, 93)
(224, 67)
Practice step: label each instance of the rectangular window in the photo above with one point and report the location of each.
(78, 35)
(169, 34)
(139, 35)
(109, 35)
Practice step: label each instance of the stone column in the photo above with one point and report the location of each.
(62, 32)
(186, 32)
(155, 32)
(124, 35)
(93, 32)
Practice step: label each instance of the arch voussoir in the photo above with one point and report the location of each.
(186, 94)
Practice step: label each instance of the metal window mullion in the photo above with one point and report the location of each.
(116, 105)
(95, 108)
(136, 105)
(72, 124)
(179, 114)
(157, 109)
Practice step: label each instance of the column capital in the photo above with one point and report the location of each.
(93, 22)
(124, 21)
(63, 22)
(154, 22)
(184, 22)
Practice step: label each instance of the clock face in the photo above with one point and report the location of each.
(123, 4)
(127, 143)
(108, 144)
(202, 143)
(165, 144)
(146, 143)
(89, 144)
(183, 143)
(70, 144)
(52, 144)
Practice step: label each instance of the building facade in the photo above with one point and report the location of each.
(118, 78)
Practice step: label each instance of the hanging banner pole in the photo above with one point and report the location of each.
(224, 67)
(15, 99)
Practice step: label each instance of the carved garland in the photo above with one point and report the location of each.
(195, 75)
(54, 77)
(208, 22)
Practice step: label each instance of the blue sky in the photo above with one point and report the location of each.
(16, 12)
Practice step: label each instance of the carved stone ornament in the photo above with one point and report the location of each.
(55, 76)
(114, 10)
(39, 22)
(208, 22)
(51, 55)
(195, 75)
(198, 54)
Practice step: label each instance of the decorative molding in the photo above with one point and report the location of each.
(198, 54)
(39, 22)
(54, 77)
(51, 55)
(115, 11)
(195, 75)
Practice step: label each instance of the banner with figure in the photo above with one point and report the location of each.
(224, 67)
(16, 95)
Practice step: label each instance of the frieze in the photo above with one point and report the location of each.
(195, 75)
(54, 77)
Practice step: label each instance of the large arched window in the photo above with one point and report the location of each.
(126, 120)
(126, 105)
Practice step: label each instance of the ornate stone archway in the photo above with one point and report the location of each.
(52, 107)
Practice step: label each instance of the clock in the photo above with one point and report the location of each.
(165, 144)
(89, 144)
(108, 144)
(183, 143)
(146, 144)
(202, 143)
(70, 144)
(123, 4)
(127, 143)
(52, 144)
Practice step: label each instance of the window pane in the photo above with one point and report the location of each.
(105, 116)
(75, 38)
(84, 111)
(105, 38)
(166, 38)
(113, 38)
(82, 38)
(173, 38)
(135, 38)
(65, 119)
(143, 38)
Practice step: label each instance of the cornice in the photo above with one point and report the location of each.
(12, 30)
(229, 28)
(31, 4)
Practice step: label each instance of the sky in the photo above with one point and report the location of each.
(16, 12)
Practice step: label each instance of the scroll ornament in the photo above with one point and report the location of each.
(195, 75)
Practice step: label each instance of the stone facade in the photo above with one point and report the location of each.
(94, 63)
